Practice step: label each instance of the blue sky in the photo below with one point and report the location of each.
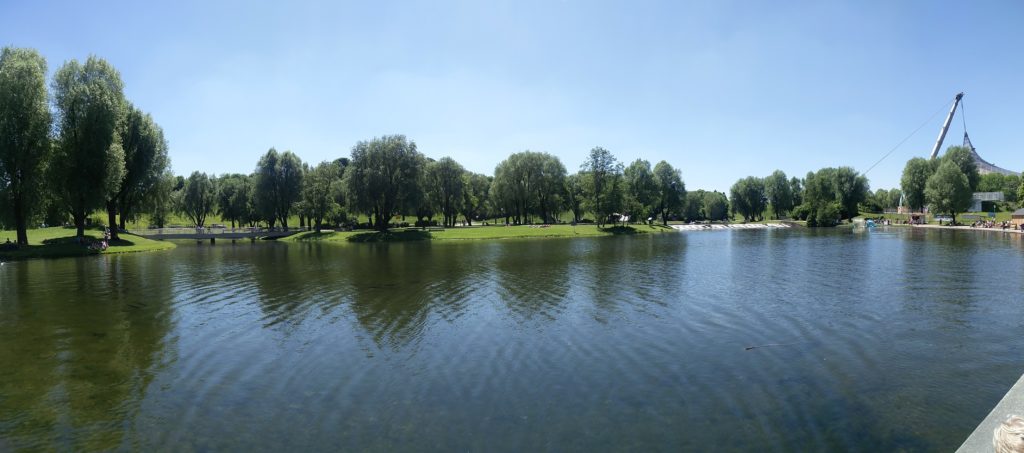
(719, 89)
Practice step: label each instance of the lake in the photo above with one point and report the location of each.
(789, 340)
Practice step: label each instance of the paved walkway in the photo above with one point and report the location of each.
(731, 226)
(968, 228)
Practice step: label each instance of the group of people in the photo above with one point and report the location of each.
(1005, 225)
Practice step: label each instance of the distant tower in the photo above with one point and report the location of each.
(984, 167)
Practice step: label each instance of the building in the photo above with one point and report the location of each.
(1017, 218)
(984, 167)
(978, 198)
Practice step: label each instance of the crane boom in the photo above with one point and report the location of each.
(945, 126)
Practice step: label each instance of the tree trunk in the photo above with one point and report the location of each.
(20, 222)
(79, 223)
(112, 219)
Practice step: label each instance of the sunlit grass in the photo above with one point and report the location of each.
(58, 242)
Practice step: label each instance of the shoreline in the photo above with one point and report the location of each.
(958, 228)
(59, 242)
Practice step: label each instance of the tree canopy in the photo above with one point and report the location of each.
(602, 175)
(24, 134)
(670, 191)
(748, 198)
(88, 164)
(948, 190)
(779, 193)
(383, 176)
(199, 198)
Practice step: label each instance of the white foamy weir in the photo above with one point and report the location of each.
(737, 226)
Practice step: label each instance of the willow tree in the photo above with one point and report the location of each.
(475, 193)
(602, 175)
(670, 191)
(641, 189)
(145, 158)
(278, 185)
(445, 187)
(779, 192)
(24, 133)
(747, 198)
(319, 190)
(383, 176)
(199, 199)
(88, 163)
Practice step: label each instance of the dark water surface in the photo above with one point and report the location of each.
(898, 339)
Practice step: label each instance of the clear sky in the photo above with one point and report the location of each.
(719, 89)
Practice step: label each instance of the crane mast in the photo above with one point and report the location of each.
(945, 126)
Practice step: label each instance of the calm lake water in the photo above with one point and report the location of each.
(894, 339)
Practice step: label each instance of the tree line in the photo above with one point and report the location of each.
(946, 185)
(821, 198)
(387, 179)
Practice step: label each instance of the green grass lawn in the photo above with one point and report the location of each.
(478, 233)
(58, 242)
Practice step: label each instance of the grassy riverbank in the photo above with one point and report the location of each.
(479, 233)
(60, 242)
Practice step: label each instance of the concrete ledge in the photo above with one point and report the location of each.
(1011, 404)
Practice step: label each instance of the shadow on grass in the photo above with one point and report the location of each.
(619, 229)
(390, 236)
(313, 235)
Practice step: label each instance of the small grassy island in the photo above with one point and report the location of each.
(57, 242)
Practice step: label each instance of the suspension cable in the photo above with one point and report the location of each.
(925, 123)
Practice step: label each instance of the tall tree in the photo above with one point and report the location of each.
(779, 193)
(234, 194)
(474, 195)
(716, 206)
(575, 191)
(603, 175)
(200, 195)
(948, 190)
(278, 185)
(641, 189)
(964, 160)
(319, 192)
(747, 197)
(670, 192)
(851, 189)
(24, 133)
(444, 187)
(88, 165)
(796, 189)
(145, 158)
(161, 200)
(384, 176)
(549, 188)
(912, 183)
